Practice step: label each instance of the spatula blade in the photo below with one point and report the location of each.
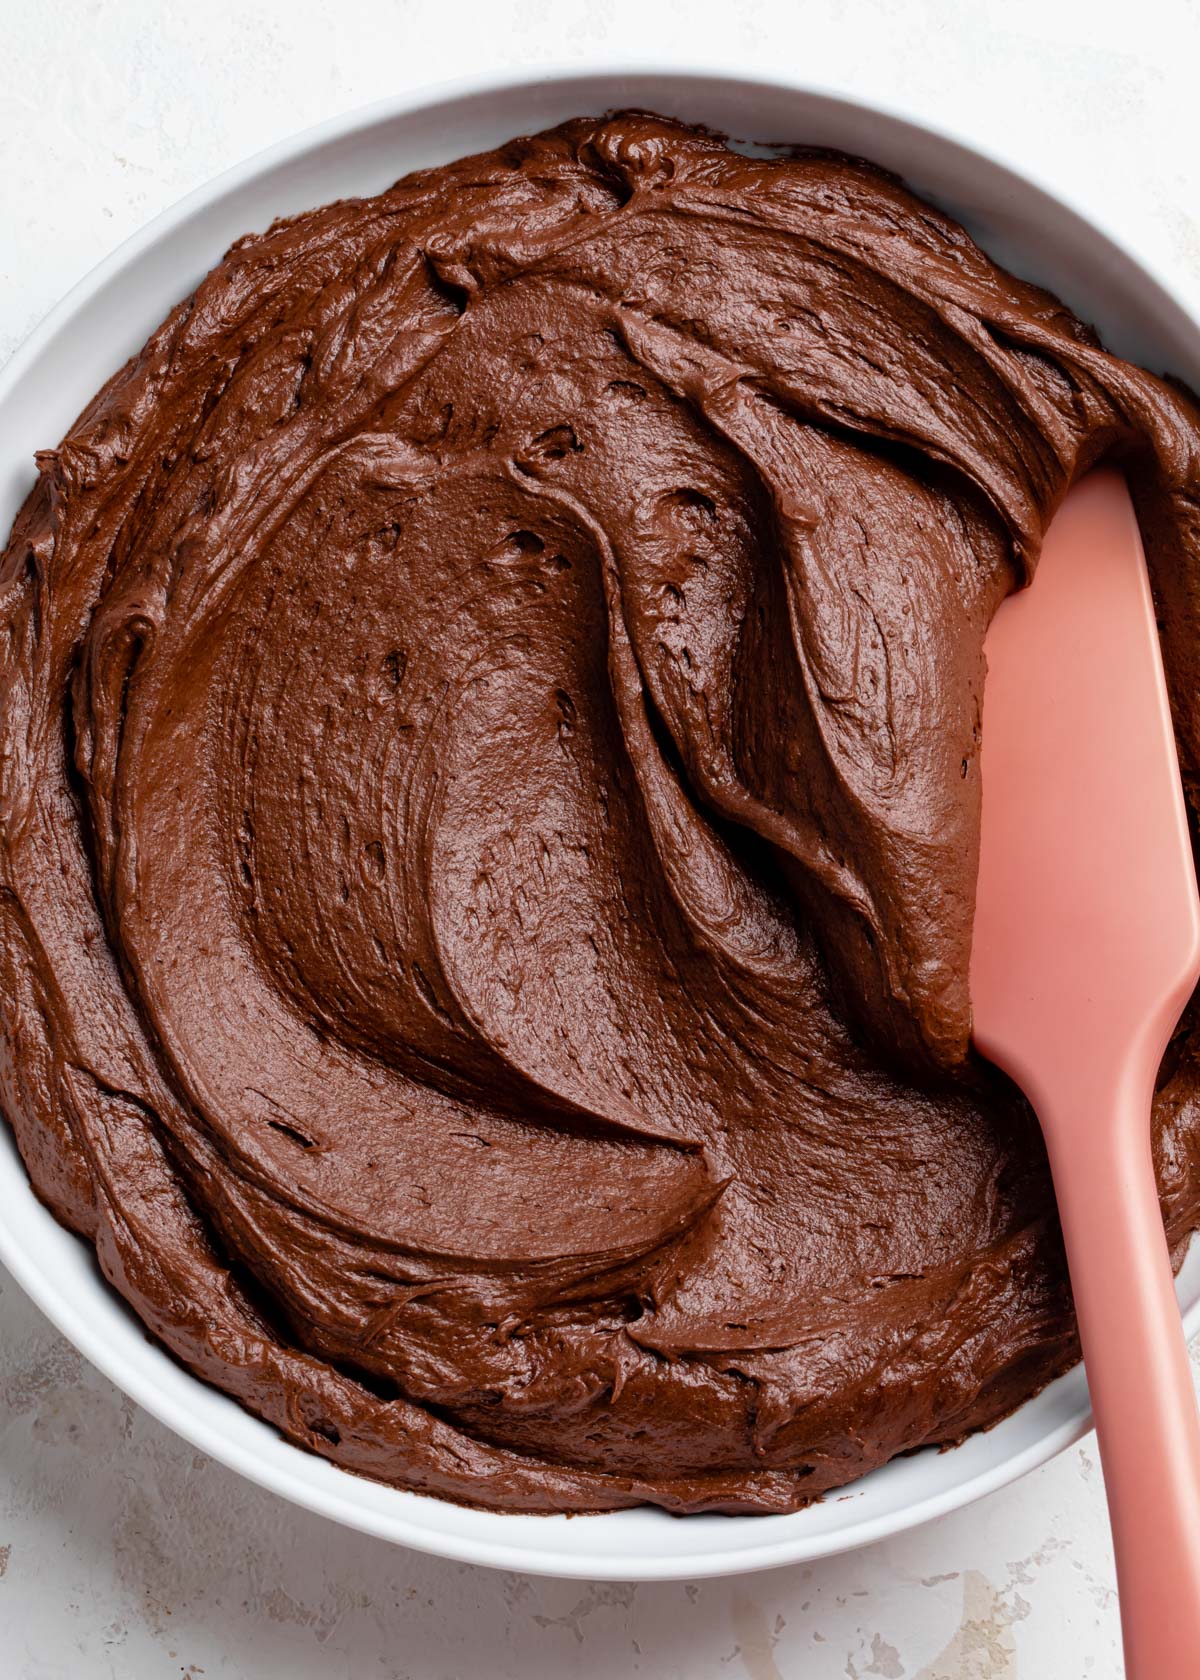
(1087, 924)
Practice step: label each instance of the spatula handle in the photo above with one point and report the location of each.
(1140, 1381)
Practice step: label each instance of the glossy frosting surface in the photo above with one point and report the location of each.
(490, 701)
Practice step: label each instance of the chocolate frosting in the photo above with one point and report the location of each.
(490, 805)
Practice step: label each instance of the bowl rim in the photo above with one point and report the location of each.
(152, 1388)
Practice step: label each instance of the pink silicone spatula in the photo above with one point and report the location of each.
(1086, 948)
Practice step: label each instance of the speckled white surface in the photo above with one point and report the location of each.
(122, 1552)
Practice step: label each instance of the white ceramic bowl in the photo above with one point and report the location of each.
(107, 317)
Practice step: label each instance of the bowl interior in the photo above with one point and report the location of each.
(105, 320)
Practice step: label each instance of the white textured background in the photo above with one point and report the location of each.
(122, 1552)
